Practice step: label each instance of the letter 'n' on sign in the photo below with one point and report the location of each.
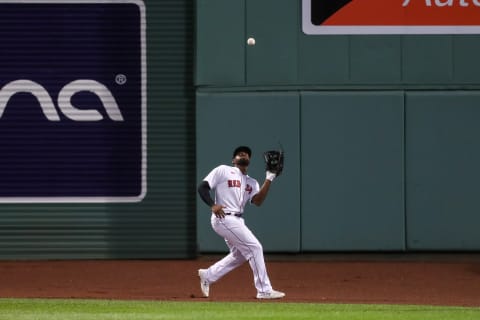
(391, 17)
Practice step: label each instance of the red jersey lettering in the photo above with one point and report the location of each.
(234, 184)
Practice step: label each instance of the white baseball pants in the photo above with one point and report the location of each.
(244, 246)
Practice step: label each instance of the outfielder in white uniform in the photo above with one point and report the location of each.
(233, 189)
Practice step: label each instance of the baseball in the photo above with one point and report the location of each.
(251, 41)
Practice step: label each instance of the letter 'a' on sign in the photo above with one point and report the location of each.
(390, 17)
(73, 109)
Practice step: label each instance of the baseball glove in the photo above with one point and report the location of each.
(274, 161)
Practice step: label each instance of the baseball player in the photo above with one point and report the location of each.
(233, 189)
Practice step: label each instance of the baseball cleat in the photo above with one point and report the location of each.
(204, 284)
(274, 294)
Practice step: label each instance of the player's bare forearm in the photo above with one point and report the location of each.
(262, 194)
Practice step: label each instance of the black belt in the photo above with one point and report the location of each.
(234, 214)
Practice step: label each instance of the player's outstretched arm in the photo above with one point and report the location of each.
(262, 194)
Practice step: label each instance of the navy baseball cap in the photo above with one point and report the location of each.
(245, 149)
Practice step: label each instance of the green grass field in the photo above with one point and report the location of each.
(72, 309)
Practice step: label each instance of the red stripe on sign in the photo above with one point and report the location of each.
(407, 13)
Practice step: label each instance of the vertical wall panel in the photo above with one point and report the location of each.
(273, 59)
(466, 50)
(220, 42)
(352, 171)
(375, 59)
(225, 121)
(442, 170)
(427, 59)
(323, 60)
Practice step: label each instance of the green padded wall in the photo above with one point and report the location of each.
(284, 55)
(370, 106)
(220, 38)
(273, 59)
(467, 49)
(352, 171)
(428, 59)
(442, 172)
(227, 120)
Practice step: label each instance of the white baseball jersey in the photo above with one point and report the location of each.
(232, 188)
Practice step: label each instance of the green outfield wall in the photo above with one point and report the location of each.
(380, 131)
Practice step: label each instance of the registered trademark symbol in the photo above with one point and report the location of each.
(120, 79)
